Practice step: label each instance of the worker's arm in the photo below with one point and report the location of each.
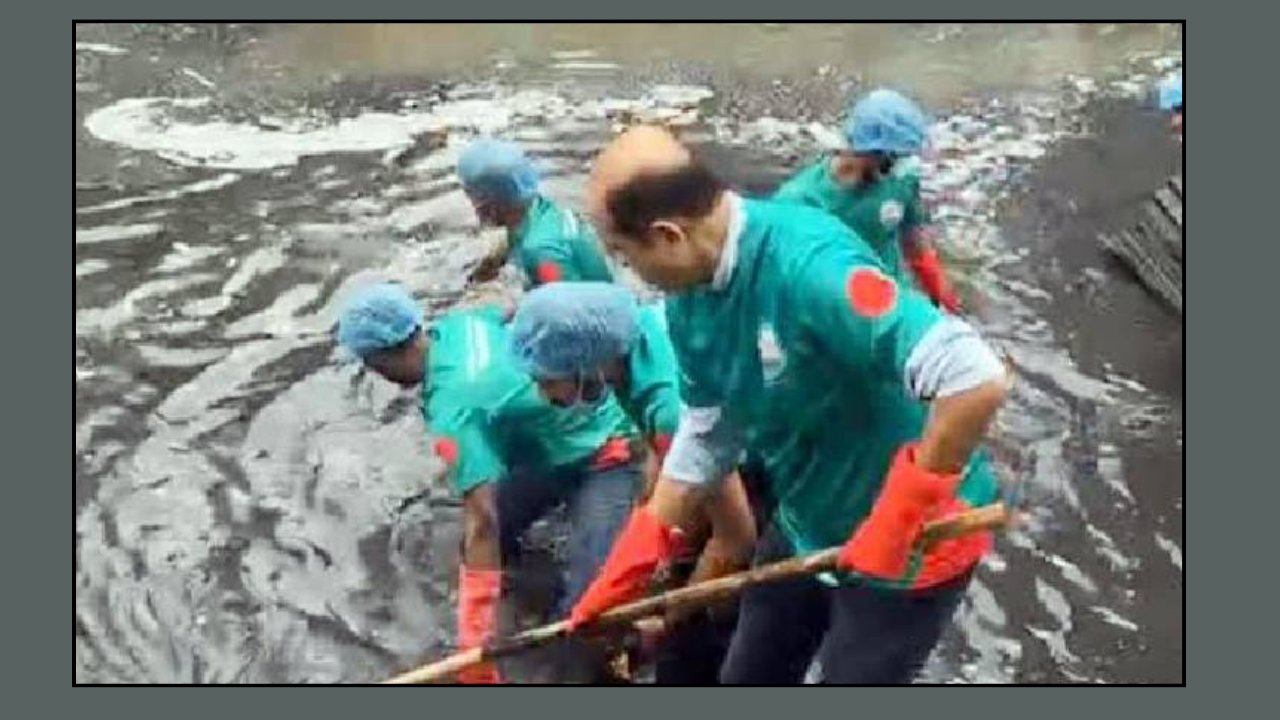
(489, 266)
(873, 326)
(548, 260)
(957, 424)
(733, 532)
(703, 453)
(472, 463)
(922, 256)
(480, 548)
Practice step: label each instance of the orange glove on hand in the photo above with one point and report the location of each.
(928, 269)
(478, 592)
(644, 544)
(882, 544)
(951, 558)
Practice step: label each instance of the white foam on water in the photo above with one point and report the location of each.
(574, 54)
(91, 266)
(150, 124)
(183, 256)
(114, 233)
(108, 320)
(1171, 547)
(279, 319)
(199, 78)
(162, 356)
(100, 48)
(1107, 548)
(200, 186)
(586, 66)
(1112, 618)
(1073, 574)
(1057, 606)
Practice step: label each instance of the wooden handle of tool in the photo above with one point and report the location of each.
(983, 518)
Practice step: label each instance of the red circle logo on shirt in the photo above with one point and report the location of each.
(871, 293)
(549, 272)
(446, 448)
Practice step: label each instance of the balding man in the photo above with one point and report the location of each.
(865, 403)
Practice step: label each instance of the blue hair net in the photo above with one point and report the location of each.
(569, 328)
(498, 169)
(377, 317)
(886, 121)
(1169, 92)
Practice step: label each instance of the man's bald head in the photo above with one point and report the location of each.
(646, 174)
(642, 149)
(657, 204)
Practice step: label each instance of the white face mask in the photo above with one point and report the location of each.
(591, 392)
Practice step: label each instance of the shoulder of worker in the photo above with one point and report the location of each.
(469, 363)
(799, 231)
(552, 222)
(805, 181)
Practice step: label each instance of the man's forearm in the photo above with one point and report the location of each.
(733, 532)
(956, 425)
(480, 544)
(677, 503)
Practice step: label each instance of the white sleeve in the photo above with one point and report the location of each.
(706, 447)
(951, 358)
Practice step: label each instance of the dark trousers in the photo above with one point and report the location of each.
(860, 635)
(693, 652)
(599, 501)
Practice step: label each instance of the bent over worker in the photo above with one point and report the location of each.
(577, 339)
(547, 242)
(510, 455)
(865, 402)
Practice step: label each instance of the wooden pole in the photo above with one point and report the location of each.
(703, 593)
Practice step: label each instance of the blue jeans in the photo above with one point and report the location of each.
(860, 635)
(599, 502)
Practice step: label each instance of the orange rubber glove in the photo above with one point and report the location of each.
(643, 545)
(951, 558)
(927, 266)
(882, 544)
(478, 592)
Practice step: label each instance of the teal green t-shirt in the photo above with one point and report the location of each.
(804, 350)
(555, 244)
(652, 396)
(485, 413)
(881, 212)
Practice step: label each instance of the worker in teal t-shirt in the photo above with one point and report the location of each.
(510, 454)
(546, 241)
(575, 337)
(865, 402)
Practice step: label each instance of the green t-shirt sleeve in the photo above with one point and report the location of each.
(799, 188)
(861, 315)
(654, 384)
(916, 215)
(550, 259)
(461, 438)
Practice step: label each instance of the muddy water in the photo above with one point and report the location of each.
(251, 508)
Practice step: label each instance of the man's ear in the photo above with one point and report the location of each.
(666, 232)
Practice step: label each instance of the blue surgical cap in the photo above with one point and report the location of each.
(498, 169)
(378, 317)
(886, 121)
(566, 329)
